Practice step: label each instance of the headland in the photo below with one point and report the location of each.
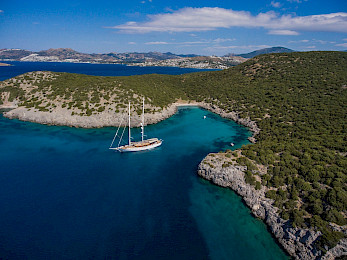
(293, 176)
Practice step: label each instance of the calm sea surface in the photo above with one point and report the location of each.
(7, 72)
(64, 195)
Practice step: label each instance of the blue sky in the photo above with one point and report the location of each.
(181, 26)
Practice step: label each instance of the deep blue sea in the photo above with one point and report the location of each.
(65, 195)
(19, 68)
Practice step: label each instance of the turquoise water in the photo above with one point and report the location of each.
(64, 195)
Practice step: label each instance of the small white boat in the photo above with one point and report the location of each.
(204, 117)
(144, 144)
(232, 144)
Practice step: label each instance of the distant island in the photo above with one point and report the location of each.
(4, 64)
(134, 59)
(294, 174)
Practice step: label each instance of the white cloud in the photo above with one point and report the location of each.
(201, 42)
(220, 40)
(322, 42)
(207, 18)
(313, 41)
(132, 43)
(283, 32)
(156, 43)
(276, 4)
(345, 39)
(342, 45)
(191, 43)
(243, 47)
(298, 41)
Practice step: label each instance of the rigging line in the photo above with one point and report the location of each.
(114, 138)
(121, 136)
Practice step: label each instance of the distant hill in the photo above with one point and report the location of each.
(129, 58)
(13, 54)
(67, 52)
(70, 55)
(265, 51)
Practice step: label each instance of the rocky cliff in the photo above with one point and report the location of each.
(298, 242)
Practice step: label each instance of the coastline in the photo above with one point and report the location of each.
(63, 117)
(130, 64)
(297, 242)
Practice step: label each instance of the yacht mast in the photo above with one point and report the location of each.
(129, 127)
(143, 119)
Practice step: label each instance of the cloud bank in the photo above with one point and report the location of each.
(207, 19)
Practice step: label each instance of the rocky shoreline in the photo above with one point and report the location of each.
(63, 117)
(298, 242)
(247, 122)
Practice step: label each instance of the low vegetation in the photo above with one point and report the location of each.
(299, 102)
(297, 99)
(91, 94)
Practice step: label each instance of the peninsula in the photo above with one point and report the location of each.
(293, 176)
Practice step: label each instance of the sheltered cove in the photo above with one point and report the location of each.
(298, 242)
(296, 99)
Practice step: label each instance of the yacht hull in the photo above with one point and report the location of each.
(139, 146)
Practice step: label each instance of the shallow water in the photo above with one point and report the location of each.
(64, 195)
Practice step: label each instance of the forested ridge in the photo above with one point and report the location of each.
(297, 99)
(299, 102)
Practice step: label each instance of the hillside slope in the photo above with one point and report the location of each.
(297, 99)
(299, 102)
(265, 51)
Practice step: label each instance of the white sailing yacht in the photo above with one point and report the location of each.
(144, 144)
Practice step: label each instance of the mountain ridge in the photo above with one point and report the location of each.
(60, 54)
(130, 58)
(278, 49)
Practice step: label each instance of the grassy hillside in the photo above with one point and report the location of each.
(89, 95)
(297, 99)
